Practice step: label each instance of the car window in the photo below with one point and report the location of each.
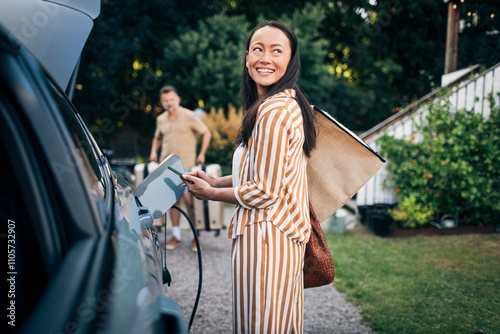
(86, 152)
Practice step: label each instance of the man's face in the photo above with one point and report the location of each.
(170, 101)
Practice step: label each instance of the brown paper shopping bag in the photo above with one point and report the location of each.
(339, 166)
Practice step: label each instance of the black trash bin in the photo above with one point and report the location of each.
(380, 222)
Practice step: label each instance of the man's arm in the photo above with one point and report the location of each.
(154, 149)
(204, 146)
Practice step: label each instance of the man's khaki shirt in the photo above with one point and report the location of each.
(179, 135)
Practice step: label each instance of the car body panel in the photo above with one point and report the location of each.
(84, 263)
(54, 32)
(91, 8)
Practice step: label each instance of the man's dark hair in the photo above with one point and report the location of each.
(251, 101)
(167, 89)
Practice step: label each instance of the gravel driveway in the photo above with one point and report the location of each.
(325, 309)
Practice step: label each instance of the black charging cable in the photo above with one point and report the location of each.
(200, 272)
(167, 279)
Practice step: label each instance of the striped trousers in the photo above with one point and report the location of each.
(267, 276)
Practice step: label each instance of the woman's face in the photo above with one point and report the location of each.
(267, 57)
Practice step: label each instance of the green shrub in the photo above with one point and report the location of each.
(454, 168)
(411, 214)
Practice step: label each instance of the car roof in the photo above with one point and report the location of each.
(55, 31)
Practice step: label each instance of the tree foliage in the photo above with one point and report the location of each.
(205, 63)
(361, 59)
(480, 32)
(315, 80)
(383, 51)
(118, 82)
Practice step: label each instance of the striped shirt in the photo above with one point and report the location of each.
(272, 176)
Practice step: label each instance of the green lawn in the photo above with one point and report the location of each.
(441, 284)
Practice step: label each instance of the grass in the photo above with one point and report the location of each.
(421, 284)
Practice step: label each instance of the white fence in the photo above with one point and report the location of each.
(469, 94)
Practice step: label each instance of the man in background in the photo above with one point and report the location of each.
(177, 131)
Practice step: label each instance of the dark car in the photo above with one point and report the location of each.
(80, 253)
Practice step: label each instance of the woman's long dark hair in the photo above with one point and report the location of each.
(251, 101)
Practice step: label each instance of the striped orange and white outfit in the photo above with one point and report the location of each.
(270, 226)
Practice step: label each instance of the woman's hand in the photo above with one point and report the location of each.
(211, 180)
(206, 187)
(199, 187)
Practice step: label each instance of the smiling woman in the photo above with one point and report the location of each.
(268, 57)
(271, 223)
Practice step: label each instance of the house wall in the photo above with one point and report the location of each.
(469, 94)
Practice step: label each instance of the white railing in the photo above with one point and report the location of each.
(469, 94)
(473, 94)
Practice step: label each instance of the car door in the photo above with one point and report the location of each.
(55, 201)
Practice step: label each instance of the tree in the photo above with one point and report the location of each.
(362, 59)
(118, 82)
(386, 53)
(315, 80)
(205, 63)
(480, 32)
(253, 10)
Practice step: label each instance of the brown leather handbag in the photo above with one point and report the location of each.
(318, 263)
